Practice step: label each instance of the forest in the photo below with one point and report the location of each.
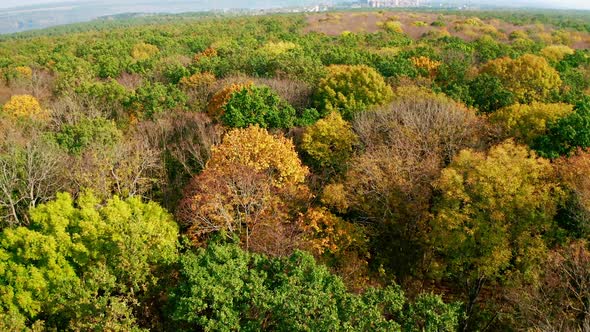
(343, 171)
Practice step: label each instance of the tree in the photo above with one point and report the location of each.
(560, 300)
(255, 147)
(426, 66)
(556, 53)
(574, 213)
(97, 132)
(184, 140)
(257, 105)
(529, 77)
(197, 88)
(25, 107)
(351, 89)
(252, 187)
(528, 122)
(389, 186)
(144, 51)
(341, 245)
(223, 287)
(491, 215)
(153, 98)
(489, 94)
(329, 143)
(31, 171)
(566, 134)
(130, 167)
(76, 255)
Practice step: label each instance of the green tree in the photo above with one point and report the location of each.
(78, 254)
(153, 98)
(257, 105)
(489, 94)
(225, 288)
(566, 134)
(97, 132)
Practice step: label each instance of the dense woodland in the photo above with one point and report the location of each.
(353, 171)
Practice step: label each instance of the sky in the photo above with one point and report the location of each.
(578, 4)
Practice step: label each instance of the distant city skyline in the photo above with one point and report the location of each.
(574, 4)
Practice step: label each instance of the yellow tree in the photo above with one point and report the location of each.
(25, 106)
(144, 51)
(528, 121)
(329, 142)
(425, 64)
(350, 89)
(556, 53)
(529, 77)
(491, 215)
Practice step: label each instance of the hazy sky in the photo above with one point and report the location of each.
(581, 4)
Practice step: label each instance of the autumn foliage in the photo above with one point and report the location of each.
(529, 77)
(215, 109)
(339, 171)
(251, 186)
(25, 107)
(351, 89)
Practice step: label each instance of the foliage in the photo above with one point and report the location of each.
(528, 122)
(257, 105)
(89, 132)
(25, 107)
(73, 253)
(138, 106)
(329, 142)
(351, 89)
(223, 287)
(529, 77)
(566, 134)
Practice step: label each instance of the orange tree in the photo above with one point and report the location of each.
(252, 187)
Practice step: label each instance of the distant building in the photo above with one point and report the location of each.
(393, 3)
